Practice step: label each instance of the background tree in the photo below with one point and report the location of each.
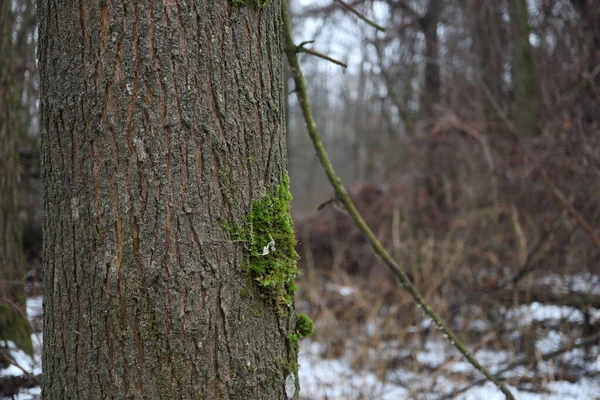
(524, 72)
(13, 323)
(168, 246)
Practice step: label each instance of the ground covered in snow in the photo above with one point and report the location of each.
(443, 372)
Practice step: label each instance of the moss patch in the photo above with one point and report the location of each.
(304, 325)
(269, 242)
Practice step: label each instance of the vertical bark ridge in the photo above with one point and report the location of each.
(161, 121)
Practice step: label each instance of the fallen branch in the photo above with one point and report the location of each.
(343, 197)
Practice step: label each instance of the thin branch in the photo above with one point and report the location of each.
(494, 103)
(361, 16)
(343, 196)
(300, 49)
(404, 6)
(562, 199)
(525, 360)
(306, 42)
(16, 364)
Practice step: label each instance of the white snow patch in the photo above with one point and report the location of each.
(528, 313)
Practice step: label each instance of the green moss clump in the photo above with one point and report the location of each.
(304, 325)
(270, 245)
(293, 338)
(258, 4)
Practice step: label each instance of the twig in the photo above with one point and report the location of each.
(494, 103)
(525, 360)
(538, 249)
(361, 16)
(562, 199)
(16, 364)
(343, 196)
(300, 49)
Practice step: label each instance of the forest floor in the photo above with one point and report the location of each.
(437, 371)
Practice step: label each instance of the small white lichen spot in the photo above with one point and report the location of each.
(270, 246)
(75, 208)
(139, 148)
(129, 87)
(290, 386)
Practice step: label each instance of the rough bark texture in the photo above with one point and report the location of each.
(162, 122)
(13, 322)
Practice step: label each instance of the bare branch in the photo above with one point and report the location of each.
(404, 6)
(361, 16)
(16, 364)
(342, 196)
(525, 360)
(564, 202)
(300, 49)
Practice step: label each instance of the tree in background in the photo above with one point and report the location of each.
(13, 322)
(168, 245)
(488, 30)
(428, 24)
(524, 72)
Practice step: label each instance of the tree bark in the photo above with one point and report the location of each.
(13, 322)
(162, 126)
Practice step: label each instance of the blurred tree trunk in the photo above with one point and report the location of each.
(13, 321)
(488, 43)
(524, 72)
(162, 124)
(429, 25)
(589, 15)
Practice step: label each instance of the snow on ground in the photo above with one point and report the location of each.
(334, 379)
(32, 365)
(527, 313)
(579, 283)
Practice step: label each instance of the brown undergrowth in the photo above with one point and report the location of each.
(485, 225)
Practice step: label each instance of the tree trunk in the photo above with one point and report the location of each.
(13, 322)
(429, 25)
(589, 17)
(524, 72)
(163, 152)
(488, 41)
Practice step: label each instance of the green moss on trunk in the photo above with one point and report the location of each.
(269, 242)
